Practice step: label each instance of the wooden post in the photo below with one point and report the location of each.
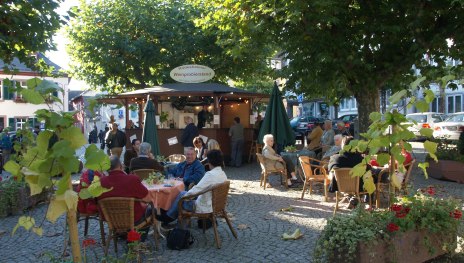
(73, 231)
(141, 105)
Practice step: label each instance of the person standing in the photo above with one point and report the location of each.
(237, 141)
(202, 118)
(101, 136)
(116, 140)
(257, 126)
(104, 136)
(190, 132)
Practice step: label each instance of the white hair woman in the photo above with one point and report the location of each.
(276, 161)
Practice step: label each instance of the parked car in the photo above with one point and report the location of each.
(304, 124)
(450, 128)
(423, 120)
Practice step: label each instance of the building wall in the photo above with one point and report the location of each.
(20, 111)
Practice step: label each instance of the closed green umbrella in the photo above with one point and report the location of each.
(276, 121)
(150, 132)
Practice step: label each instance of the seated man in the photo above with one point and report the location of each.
(341, 129)
(314, 138)
(191, 170)
(203, 204)
(143, 161)
(126, 185)
(131, 153)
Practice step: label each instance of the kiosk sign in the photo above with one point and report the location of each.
(192, 74)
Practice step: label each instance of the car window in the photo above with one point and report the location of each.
(456, 118)
(417, 118)
(437, 118)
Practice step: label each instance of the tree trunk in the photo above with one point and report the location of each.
(73, 231)
(368, 101)
(442, 100)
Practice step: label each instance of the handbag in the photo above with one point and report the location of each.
(179, 239)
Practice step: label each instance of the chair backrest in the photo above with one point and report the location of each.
(408, 168)
(118, 212)
(261, 161)
(259, 147)
(345, 182)
(306, 166)
(219, 196)
(143, 173)
(176, 158)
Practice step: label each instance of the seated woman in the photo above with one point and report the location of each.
(275, 161)
(314, 138)
(376, 170)
(334, 149)
(200, 148)
(327, 139)
(87, 206)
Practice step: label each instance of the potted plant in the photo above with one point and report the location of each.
(290, 149)
(451, 161)
(163, 118)
(415, 228)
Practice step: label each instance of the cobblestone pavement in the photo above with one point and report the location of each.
(256, 215)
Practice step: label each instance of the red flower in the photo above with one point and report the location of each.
(406, 210)
(400, 214)
(457, 214)
(430, 190)
(133, 236)
(392, 227)
(396, 207)
(88, 242)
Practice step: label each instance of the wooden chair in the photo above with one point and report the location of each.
(119, 214)
(143, 173)
(313, 173)
(86, 217)
(176, 158)
(265, 172)
(254, 148)
(382, 187)
(219, 200)
(347, 185)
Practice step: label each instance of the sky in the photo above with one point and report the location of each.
(60, 56)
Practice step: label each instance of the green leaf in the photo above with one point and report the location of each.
(63, 149)
(32, 96)
(55, 209)
(12, 167)
(85, 194)
(369, 185)
(427, 132)
(375, 116)
(46, 87)
(95, 188)
(417, 82)
(359, 170)
(38, 231)
(397, 96)
(424, 166)
(32, 83)
(422, 106)
(96, 159)
(43, 139)
(63, 184)
(431, 148)
(383, 158)
(429, 96)
(74, 136)
(24, 221)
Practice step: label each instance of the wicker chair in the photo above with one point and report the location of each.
(119, 214)
(176, 158)
(347, 185)
(143, 173)
(86, 217)
(255, 147)
(219, 201)
(383, 187)
(265, 172)
(313, 173)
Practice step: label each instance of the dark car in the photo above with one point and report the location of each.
(304, 124)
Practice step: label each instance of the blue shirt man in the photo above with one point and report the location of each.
(191, 170)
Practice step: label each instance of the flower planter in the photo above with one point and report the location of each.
(21, 201)
(408, 247)
(446, 170)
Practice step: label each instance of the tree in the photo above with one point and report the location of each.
(27, 27)
(362, 45)
(132, 44)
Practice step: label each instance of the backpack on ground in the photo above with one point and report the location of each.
(179, 239)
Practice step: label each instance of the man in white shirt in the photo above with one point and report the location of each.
(203, 204)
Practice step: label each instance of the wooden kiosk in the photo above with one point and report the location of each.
(177, 100)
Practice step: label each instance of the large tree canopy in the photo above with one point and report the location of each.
(360, 46)
(27, 27)
(131, 44)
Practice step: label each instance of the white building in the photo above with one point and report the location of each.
(14, 112)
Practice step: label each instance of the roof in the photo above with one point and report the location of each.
(186, 89)
(22, 68)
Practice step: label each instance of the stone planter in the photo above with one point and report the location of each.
(446, 170)
(21, 201)
(408, 247)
